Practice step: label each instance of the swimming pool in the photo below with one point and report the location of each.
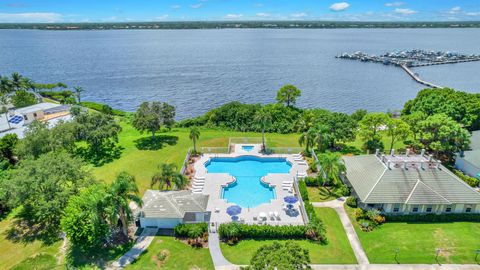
(248, 190)
(247, 148)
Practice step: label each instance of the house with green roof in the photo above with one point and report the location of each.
(469, 161)
(166, 209)
(408, 184)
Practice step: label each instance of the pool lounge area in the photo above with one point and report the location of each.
(255, 182)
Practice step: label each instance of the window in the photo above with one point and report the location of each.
(429, 209)
(468, 210)
(448, 209)
(396, 209)
(415, 209)
(370, 205)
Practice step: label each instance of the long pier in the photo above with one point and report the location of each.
(445, 62)
(417, 79)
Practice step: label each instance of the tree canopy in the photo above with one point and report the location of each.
(288, 94)
(151, 116)
(288, 256)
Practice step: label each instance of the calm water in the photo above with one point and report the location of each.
(248, 190)
(197, 70)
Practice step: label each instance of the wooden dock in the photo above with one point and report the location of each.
(417, 79)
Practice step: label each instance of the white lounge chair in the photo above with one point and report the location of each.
(217, 210)
(200, 177)
(302, 163)
(276, 215)
(271, 215)
(287, 182)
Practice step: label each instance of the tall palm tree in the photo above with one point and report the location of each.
(169, 177)
(307, 138)
(194, 136)
(28, 84)
(78, 92)
(263, 118)
(332, 165)
(121, 192)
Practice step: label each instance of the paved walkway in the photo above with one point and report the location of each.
(219, 261)
(142, 243)
(337, 205)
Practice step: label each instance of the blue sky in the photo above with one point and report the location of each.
(179, 10)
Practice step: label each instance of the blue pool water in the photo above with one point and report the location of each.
(247, 148)
(248, 190)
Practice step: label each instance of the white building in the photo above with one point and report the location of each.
(469, 161)
(166, 209)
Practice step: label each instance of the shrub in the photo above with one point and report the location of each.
(302, 186)
(232, 232)
(312, 166)
(379, 219)
(351, 202)
(343, 190)
(311, 181)
(471, 181)
(185, 230)
(372, 214)
(433, 218)
(359, 213)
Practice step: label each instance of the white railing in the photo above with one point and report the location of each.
(185, 161)
(303, 212)
(284, 150)
(215, 150)
(245, 140)
(319, 166)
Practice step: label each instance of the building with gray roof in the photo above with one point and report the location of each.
(166, 209)
(408, 184)
(469, 161)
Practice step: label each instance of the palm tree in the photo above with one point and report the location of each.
(263, 118)
(168, 177)
(29, 84)
(332, 165)
(16, 81)
(323, 137)
(5, 85)
(121, 192)
(194, 136)
(78, 92)
(307, 138)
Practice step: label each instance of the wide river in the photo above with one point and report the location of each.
(197, 70)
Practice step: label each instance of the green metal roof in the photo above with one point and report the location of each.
(374, 182)
(473, 157)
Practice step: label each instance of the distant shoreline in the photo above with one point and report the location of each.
(238, 25)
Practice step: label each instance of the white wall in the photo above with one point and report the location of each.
(164, 223)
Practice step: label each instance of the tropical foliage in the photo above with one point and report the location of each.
(288, 94)
(289, 256)
(151, 116)
(169, 177)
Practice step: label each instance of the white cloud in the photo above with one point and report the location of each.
(34, 17)
(233, 16)
(199, 5)
(339, 6)
(175, 6)
(394, 4)
(298, 15)
(472, 13)
(162, 17)
(405, 11)
(455, 10)
(262, 14)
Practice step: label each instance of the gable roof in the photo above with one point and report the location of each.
(374, 182)
(172, 204)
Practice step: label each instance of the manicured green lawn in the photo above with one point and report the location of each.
(23, 255)
(143, 163)
(178, 256)
(320, 194)
(417, 242)
(336, 251)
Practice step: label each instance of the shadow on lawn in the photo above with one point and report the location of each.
(25, 232)
(150, 143)
(100, 157)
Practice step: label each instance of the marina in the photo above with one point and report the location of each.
(412, 59)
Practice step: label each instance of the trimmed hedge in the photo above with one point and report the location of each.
(433, 218)
(182, 230)
(302, 186)
(311, 181)
(243, 231)
(471, 181)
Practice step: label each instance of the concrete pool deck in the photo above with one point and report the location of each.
(214, 183)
